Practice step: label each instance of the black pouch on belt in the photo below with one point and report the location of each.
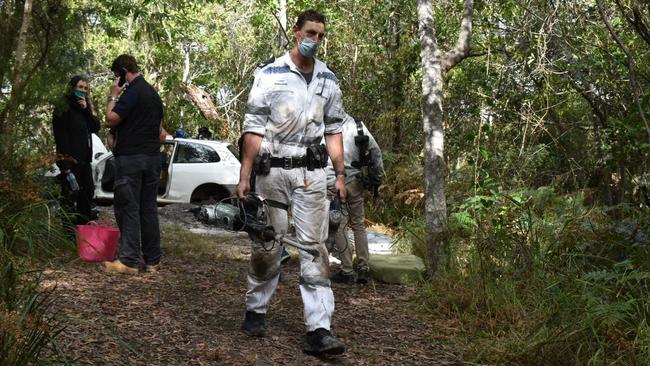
(316, 157)
(262, 164)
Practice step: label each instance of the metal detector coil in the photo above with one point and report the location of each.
(222, 215)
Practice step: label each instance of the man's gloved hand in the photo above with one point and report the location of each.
(374, 181)
(370, 182)
(364, 181)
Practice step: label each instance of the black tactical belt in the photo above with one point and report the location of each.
(288, 163)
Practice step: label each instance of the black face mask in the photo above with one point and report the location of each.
(122, 77)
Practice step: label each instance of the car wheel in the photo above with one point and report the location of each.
(209, 193)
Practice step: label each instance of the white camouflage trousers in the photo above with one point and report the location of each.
(305, 191)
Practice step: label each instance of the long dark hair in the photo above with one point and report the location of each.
(73, 83)
(68, 100)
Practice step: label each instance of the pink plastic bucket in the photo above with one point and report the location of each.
(97, 243)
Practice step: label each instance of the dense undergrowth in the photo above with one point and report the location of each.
(30, 237)
(533, 276)
(538, 277)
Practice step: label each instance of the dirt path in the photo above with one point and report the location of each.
(190, 313)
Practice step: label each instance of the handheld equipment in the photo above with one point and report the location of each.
(250, 216)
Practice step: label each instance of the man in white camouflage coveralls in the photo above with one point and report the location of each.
(295, 100)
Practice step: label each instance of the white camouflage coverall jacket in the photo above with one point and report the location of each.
(351, 153)
(291, 115)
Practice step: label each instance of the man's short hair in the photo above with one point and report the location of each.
(310, 15)
(125, 62)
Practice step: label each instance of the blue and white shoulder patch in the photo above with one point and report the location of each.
(277, 70)
(327, 75)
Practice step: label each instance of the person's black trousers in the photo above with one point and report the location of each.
(136, 210)
(78, 203)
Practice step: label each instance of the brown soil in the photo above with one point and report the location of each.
(190, 313)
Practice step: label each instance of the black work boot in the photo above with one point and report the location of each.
(254, 324)
(342, 277)
(322, 342)
(363, 276)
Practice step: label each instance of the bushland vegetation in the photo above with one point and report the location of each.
(547, 142)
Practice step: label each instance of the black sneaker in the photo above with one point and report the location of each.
(254, 324)
(342, 277)
(363, 276)
(322, 342)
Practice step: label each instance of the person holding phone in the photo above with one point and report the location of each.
(134, 113)
(74, 121)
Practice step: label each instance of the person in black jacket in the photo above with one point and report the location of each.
(73, 123)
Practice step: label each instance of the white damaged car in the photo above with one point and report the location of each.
(192, 171)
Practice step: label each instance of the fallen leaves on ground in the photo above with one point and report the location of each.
(191, 311)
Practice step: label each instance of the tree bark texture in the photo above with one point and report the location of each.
(636, 18)
(629, 62)
(434, 161)
(7, 119)
(208, 109)
(282, 27)
(435, 65)
(397, 78)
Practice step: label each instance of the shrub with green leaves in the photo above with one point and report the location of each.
(547, 280)
(30, 234)
(25, 329)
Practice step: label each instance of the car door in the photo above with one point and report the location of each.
(166, 167)
(103, 176)
(191, 166)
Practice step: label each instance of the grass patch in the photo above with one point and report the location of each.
(179, 241)
(30, 236)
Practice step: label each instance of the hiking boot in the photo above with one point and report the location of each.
(153, 268)
(363, 276)
(117, 266)
(254, 324)
(322, 342)
(342, 277)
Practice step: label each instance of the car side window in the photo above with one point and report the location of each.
(195, 153)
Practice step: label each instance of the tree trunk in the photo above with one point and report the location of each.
(434, 161)
(629, 62)
(282, 28)
(636, 18)
(397, 79)
(206, 106)
(186, 64)
(434, 66)
(8, 117)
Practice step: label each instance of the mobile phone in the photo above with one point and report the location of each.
(122, 78)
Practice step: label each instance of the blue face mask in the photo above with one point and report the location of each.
(79, 94)
(308, 47)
